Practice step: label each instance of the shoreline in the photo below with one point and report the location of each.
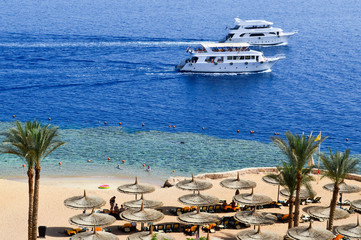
(170, 181)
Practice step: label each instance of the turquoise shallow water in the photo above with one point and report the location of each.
(185, 153)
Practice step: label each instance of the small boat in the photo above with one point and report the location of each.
(257, 32)
(226, 58)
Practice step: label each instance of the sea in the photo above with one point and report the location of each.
(103, 71)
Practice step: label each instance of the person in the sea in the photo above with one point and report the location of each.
(112, 202)
(148, 169)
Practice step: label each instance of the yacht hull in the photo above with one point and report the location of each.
(226, 67)
(262, 41)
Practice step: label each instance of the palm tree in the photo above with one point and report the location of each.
(338, 166)
(298, 149)
(286, 178)
(32, 143)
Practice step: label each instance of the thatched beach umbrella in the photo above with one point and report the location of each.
(198, 218)
(237, 183)
(136, 188)
(350, 230)
(193, 185)
(257, 234)
(356, 204)
(255, 218)
(252, 199)
(304, 193)
(344, 187)
(145, 202)
(324, 212)
(92, 219)
(149, 235)
(197, 199)
(309, 233)
(141, 215)
(94, 235)
(84, 202)
(272, 181)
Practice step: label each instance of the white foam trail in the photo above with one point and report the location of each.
(101, 44)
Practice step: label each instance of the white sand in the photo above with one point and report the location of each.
(54, 215)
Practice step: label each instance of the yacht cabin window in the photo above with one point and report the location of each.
(256, 35)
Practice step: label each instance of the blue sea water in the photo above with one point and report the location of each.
(83, 63)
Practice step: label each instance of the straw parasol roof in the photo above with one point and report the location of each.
(309, 233)
(258, 234)
(252, 199)
(145, 202)
(141, 215)
(270, 180)
(94, 236)
(255, 218)
(135, 188)
(84, 202)
(324, 212)
(350, 230)
(237, 183)
(146, 235)
(344, 188)
(193, 185)
(304, 193)
(198, 218)
(356, 204)
(92, 219)
(198, 199)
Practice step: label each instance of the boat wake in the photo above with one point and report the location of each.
(102, 44)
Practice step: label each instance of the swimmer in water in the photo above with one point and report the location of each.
(118, 166)
(148, 168)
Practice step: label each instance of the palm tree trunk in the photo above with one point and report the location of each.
(333, 206)
(31, 197)
(36, 202)
(290, 212)
(297, 201)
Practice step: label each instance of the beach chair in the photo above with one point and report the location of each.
(338, 237)
(106, 211)
(160, 228)
(160, 210)
(203, 208)
(175, 227)
(210, 209)
(191, 230)
(127, 227)
(186, 209)
(305, 218)
(316, 200)
(218, 208)
(168, 227)
(176, 211)
(193, 208)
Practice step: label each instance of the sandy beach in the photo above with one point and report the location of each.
(54, 215)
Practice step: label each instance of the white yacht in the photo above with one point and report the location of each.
(226, 58)
(257, 32)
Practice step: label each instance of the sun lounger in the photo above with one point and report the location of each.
(168, 227)
(191, 230)
(160, 228)
(313, 200)
(176, 227)
(210, 209)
